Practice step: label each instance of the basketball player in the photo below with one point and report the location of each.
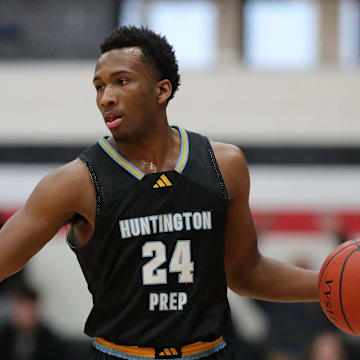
(159, 218)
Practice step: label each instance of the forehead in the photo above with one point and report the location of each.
(124, 59)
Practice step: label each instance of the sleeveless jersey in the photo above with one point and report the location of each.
(155, 264)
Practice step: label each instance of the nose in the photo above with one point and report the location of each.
(108, 97)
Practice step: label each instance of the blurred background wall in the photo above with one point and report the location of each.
(279, 78)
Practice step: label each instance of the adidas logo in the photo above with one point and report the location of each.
(162, 182)
(168, 352)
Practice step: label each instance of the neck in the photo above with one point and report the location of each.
(152, 151)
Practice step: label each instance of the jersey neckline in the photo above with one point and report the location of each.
(132, 169)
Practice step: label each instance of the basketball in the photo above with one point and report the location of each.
(339, 284)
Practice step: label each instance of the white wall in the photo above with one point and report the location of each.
(272, 187)
(55, 102)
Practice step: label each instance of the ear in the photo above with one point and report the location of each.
(164, 89)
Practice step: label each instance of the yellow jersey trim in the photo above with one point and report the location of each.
(119, 159)
(184, 152)
(148, 352)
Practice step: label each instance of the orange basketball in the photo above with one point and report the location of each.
(339, 286)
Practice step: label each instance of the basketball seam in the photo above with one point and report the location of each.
(340, 288)
(357, 244)
(339, 252)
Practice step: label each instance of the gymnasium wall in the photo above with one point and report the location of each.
(300, 203)
(299, 130)
(55, 103)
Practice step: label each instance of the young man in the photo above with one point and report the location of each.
(159, 218)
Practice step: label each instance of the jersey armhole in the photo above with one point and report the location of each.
(217, 171)
(71, 238)
(98, 191)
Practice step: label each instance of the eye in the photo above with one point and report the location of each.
(122, 81)
(99, 87)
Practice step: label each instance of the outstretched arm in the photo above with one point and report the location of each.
(59, 196)
(248, 272)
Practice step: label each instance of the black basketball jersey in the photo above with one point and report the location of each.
(155, 263)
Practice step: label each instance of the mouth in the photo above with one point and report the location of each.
(112, 120)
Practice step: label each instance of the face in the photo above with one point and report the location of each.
(127, 92)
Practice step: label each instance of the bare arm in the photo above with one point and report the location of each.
(59, 195)
(248, 272)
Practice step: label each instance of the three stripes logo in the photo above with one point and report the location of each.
(162, 182)
(168, 353)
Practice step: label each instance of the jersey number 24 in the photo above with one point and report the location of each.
(180, 262)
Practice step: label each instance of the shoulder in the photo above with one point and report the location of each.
(69, 184)
(233, 166)
(230, 158)
(228, 153)
(67, 189)
(71, 174)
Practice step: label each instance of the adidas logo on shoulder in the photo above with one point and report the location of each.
(162, 182)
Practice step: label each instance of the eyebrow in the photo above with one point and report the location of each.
(114, 74)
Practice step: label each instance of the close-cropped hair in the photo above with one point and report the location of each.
(156, 50)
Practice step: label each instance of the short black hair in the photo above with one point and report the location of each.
(155, 48)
